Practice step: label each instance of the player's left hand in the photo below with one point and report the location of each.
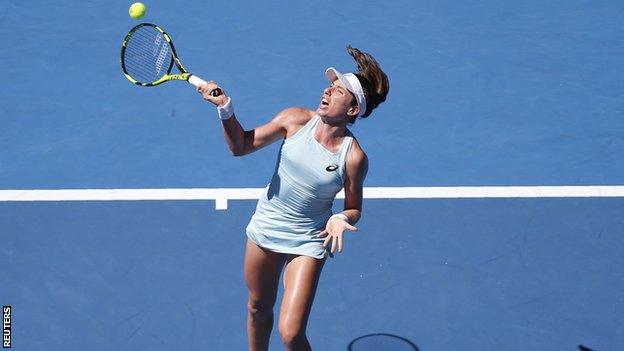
(333, 233)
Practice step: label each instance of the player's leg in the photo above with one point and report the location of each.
(301, 278)
(262, 271)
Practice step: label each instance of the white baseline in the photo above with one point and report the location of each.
(222, 195)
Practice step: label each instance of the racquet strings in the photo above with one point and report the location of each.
(148, 56)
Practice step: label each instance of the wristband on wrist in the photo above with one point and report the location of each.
(340, 216)
(226, 111)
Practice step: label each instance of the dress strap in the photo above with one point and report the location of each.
(345, 147)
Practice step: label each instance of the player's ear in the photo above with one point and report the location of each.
(353, 111)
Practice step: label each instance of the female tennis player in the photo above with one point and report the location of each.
(293, 227)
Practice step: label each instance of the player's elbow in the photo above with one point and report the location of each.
(238, 151)
(237, 148)
(242, 146)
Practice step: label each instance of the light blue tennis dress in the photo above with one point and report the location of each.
(297, 203)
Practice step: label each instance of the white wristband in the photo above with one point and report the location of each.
(226, 111)
(341, 216)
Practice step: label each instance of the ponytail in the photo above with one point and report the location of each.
(374, 81)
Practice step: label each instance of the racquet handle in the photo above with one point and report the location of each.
(197, 82)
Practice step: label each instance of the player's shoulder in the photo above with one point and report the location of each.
(296, 114)
(294, 118)
(356, 157)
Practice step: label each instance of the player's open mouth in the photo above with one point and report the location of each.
(324, 102)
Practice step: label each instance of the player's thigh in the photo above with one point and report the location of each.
(301, 278)
(262, 270)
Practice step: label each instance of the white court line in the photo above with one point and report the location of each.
(222, 195)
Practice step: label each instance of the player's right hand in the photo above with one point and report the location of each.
(206, 92)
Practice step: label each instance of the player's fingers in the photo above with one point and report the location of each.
(320, 235)
(334, 243)
(208, 85)
(340, 243)
(352, 228)
(202, 89)
(327, 240)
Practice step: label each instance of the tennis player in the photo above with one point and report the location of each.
(293, 228)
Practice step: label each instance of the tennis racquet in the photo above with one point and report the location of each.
(148, 55)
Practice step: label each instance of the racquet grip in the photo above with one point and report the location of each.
(197, 82)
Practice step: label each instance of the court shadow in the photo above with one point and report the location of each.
(276, 182)
(381, 341)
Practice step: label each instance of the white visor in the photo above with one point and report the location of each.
(352, 84)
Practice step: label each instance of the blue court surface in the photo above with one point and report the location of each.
(483, 94)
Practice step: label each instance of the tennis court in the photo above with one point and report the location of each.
(493, 211)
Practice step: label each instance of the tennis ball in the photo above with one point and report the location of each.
(137, 10)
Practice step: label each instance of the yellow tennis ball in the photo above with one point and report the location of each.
(137, 10)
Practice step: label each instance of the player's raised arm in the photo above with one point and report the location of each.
(242, 142)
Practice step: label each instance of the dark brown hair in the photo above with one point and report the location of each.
(374, 81)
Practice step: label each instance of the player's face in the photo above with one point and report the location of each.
(337, 102)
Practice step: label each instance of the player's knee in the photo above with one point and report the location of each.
(291, 335)
(259, 311)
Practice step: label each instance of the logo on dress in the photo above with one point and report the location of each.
(331, 167)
